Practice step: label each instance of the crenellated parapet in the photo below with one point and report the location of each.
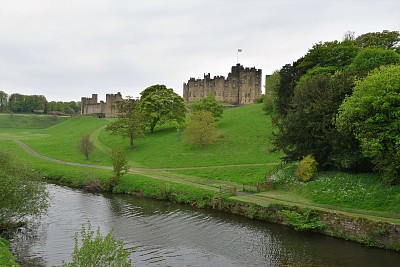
(91, 106)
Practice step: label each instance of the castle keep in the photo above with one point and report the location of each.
(243, 86)
(90, 106)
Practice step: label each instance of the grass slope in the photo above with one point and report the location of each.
(245, 139)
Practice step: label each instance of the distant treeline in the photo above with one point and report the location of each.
(340, 103)
(18, 103)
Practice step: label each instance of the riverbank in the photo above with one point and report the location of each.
(366, 227)
(230, 171)
(373, 231)
(6, 257)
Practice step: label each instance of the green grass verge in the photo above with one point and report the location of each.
(164, 190)
(29, 121)
(6, 257)
(364, 191)
(248, 175)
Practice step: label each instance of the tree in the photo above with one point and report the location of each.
(385, 39)
(160, 104)
(285, 89)
(22, 194)
(272, 84)
(308, 129)
(338, 54)
(3, 101)
(131, 123)
(210, 104)
(119, 161)
(202, 129)
(98, 251)
(85, 145)
(369, 59)
(372, 114)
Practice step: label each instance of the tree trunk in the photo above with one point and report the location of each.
(131, 141)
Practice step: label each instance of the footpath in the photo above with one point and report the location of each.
(263, 199)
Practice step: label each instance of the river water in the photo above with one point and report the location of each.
(165, 234)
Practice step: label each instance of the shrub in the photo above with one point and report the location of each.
(306, 220)
(307, 168)
(98, 251)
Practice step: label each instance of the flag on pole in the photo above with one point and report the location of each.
(239, 50)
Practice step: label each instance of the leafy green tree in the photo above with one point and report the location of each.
(201, 130)
(94, 250)
(131, 123)
(369, 59)
(210, 104)
(385, 39)
(272, 84)
(308, 129)
(372, 114)
(119, 161)
(16, 103)
(285, 89)
(337, 54)
(160, 104)
(3, 101)
(85, 145)
(22, 194)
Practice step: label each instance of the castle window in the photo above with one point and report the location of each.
(194, 94)
(195, 84)
(226, 83)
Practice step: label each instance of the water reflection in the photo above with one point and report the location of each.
(170, 235)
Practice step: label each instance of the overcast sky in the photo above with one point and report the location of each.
(69, 49)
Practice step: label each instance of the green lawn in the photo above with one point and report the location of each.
(245, 139)
(246, 133)
(28, 121)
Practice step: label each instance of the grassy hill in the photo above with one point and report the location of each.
(241, 157)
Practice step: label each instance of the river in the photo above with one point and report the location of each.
(165, 234)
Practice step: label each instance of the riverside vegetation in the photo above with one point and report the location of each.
(163, 167)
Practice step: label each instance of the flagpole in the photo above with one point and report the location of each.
(237, 55)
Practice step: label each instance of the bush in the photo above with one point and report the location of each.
(22, 193)
(307, 168)
(306, 220)
(98, 251)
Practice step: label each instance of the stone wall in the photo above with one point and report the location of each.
(91, 106)
(243, 86)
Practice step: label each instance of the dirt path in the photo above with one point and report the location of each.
(160, 174)
(262, 199)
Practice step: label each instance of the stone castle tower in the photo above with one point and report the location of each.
(90, 106)
(243, 86)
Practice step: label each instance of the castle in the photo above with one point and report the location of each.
(90, 106)
(243, 86)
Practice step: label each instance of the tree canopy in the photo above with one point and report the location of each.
(22, 195)
(312, 89)
(372, 114)
(202, 129)
(131, 123)
(209, 103)
(160, 104)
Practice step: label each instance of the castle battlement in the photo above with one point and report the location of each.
(91, 106)
(242, 86)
